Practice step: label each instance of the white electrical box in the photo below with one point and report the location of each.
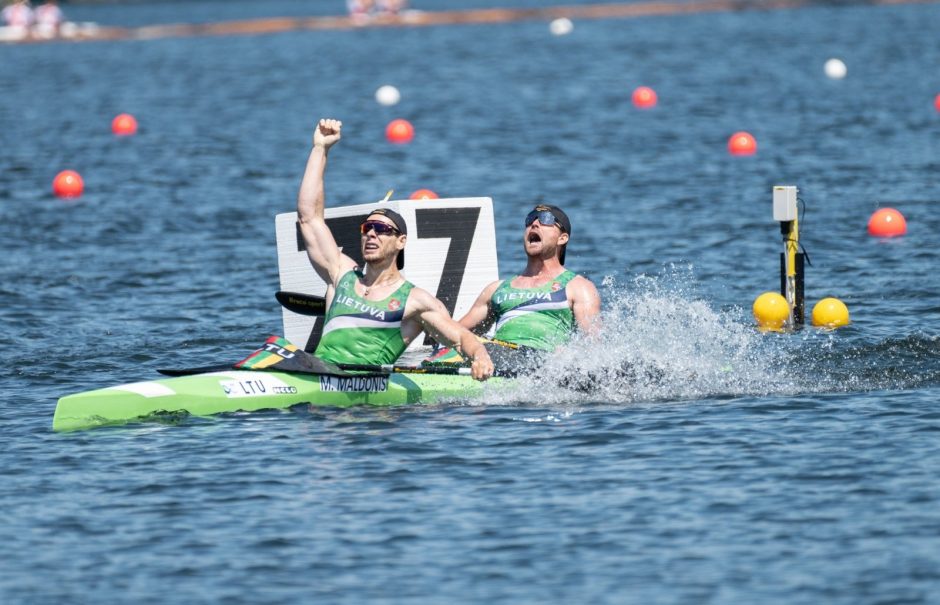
(785, 203)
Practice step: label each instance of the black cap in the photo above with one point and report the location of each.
(563, 221)
(400, 224)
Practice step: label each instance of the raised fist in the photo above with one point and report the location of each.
(327, 133)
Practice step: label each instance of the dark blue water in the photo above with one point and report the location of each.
(759, 468)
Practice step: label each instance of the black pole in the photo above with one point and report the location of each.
(798, 306)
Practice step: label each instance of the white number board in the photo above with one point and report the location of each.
(451, 253)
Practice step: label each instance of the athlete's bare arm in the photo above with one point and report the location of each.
(329, 263)
(434, 318)
(586, 304)
(478, 319)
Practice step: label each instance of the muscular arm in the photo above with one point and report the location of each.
(433, 317)
(478, 318)
(322, 250)
(586, 304)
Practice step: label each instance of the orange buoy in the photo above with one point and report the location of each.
(124, 125)
(399, 132)
(68, 183)
(887, 222)
(742, 143)
(644, 97)
(423, 194)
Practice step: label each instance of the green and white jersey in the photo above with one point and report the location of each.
(534, 317)
(363, 331)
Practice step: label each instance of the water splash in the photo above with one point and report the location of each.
(660, 341)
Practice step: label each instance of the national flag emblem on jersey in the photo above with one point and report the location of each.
(394, 304)
(556, 287)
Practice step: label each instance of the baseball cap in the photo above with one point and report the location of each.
(400, 224)
(563, 222)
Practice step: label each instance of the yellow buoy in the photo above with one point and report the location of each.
(830, 313)
(771, 311)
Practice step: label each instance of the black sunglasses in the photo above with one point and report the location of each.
(379, 227)
(545, 217)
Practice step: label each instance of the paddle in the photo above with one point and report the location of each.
(303, 304)
(395, 369)
(345, 369)
(199, 370)
(280, 355)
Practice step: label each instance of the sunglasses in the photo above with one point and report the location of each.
(545, 217)
(379, 227)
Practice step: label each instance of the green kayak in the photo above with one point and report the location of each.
(234, 391)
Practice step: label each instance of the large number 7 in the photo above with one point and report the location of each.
(459, 225)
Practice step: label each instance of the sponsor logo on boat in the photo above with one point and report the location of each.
(257, 385)
(354, 384)
(245, 388)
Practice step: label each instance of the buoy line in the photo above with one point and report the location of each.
(414, 18)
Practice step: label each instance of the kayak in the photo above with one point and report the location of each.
(276, 376)
(281, 374)
(236, 391)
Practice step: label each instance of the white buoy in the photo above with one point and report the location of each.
(561, 26)
(835, 69)
(387, 95)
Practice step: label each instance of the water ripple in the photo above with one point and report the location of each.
(687, 459)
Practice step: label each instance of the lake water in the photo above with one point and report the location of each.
(798, 468)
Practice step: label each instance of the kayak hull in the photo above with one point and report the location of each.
(235, 391)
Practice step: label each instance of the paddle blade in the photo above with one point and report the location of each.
(304, 304)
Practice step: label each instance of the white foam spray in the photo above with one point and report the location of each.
(659, 342)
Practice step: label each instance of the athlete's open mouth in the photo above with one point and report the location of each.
(534, 236)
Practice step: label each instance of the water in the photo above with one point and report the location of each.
(755, 468)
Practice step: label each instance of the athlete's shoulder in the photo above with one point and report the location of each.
(581, 284)
(420, 301)
(492, 287)
(580, 279)
(344, 268)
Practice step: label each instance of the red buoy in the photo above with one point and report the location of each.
(399, 132)
(644, 97)
(887, 222)
(124, 125)
(742, 143)
(68, 184)
(423, 194)
(936, 102)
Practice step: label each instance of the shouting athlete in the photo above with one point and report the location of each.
(373, 313)
(541, 307)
